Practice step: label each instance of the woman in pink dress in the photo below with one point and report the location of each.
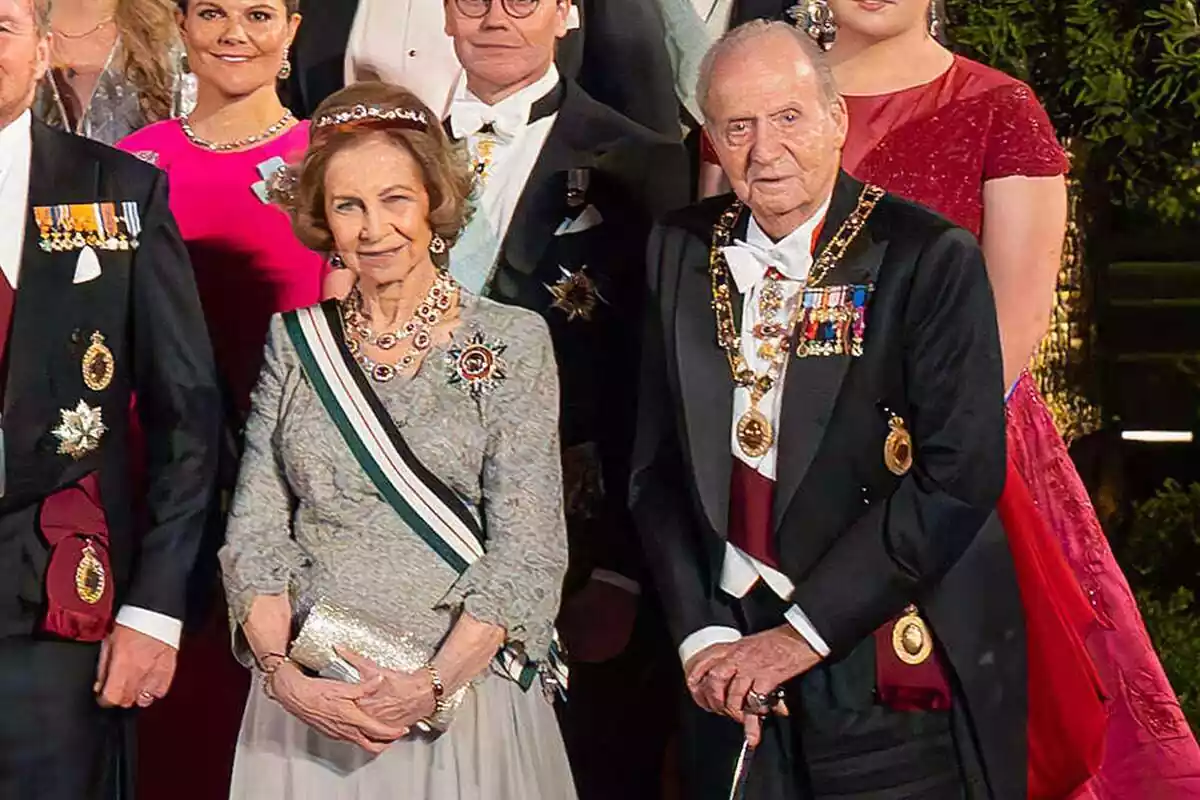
(975, 145)
(248, 266)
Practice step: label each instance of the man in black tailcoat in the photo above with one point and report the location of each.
(566, 192)
(820, 449)
(97, 305)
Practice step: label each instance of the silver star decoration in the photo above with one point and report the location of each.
(80, 430)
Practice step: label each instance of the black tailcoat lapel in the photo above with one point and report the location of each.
(43, 314)
(705, 379)
(811, 385)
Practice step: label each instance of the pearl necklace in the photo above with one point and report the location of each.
(440, 299)
(237, 144)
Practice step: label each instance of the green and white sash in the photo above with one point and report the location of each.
(427, 505)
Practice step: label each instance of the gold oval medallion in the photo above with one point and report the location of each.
(754, 433)
(898, 448)
(98, 364)
(90, 578)
(911, 639)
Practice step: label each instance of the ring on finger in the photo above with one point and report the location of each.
(760, 704)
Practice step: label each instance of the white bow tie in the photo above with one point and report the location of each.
(749, 263)
(468, 117)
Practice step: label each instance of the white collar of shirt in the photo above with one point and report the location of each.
(16, 153)
(508, 117)
(792, 255)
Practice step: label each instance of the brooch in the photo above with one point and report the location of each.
(100, 226)
(149, 156)
(90, 577)
(911, 640)
(98, 364)
(575, 294)
(272, 172)
(79, 430)
(898, 447)
(476, 365)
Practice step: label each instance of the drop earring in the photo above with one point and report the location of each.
(935, 21)
(285, 69)
(815, 18)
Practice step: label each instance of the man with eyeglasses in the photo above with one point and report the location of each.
(566, 191)
(615, 48)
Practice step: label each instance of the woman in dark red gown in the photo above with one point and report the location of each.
(975, 145)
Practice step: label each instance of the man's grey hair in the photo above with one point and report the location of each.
(756, 29)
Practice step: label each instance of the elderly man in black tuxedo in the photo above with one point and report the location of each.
(97, 304)
(566, 192)
(820, 449)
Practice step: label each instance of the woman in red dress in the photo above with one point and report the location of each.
(975, 145)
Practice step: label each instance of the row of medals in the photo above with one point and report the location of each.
(440, 299)
(60, 241)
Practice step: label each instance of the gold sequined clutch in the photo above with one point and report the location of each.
(327, 625)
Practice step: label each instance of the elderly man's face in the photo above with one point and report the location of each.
(24, 56)
(778, 140)
(499, 51)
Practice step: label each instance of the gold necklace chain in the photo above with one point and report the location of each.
(237, 144)
(755, 433)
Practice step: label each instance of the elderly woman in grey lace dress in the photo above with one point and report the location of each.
(385, 429)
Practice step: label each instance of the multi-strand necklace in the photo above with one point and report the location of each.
(418, 330)
(755, 433)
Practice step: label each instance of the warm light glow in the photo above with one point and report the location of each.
(1159, 437)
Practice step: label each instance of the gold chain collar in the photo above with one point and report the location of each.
(755, 433)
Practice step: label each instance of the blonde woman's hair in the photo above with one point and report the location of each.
(150, 53)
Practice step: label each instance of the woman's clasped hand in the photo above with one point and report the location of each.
(381, 708)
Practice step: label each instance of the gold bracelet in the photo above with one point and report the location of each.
(439, 688)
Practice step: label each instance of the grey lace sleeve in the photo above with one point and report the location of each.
(517, 583)
(260, 555)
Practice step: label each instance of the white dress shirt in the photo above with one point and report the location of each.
(16, 154)
(791, 256)
(517, 147)
(404, 42)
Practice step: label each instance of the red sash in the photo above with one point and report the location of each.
(79, 580)
(1068, 720)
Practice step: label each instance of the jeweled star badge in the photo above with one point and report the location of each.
(575, 294)
(98, 364)
(476, 364)
(79, 430)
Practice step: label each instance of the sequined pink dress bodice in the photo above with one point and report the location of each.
(937, 144)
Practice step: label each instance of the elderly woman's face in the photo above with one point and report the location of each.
(237, 46)
(378, 209)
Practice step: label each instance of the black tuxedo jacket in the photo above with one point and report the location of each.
(858, 542)
(746, 10)
(618, 54)
(632, 176)
(144, 303)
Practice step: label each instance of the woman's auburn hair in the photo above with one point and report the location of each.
(446, 175)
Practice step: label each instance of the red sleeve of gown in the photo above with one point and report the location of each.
(1022, 140)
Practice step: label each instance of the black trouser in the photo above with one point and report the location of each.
(837, 743)
(614, 724)
(56, 743)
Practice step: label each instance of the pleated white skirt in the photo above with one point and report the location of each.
(504, 744)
